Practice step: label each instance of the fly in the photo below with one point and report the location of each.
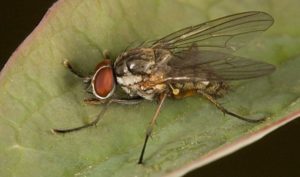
(196, 60)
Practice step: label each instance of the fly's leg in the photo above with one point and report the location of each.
(151, 125)
(86, 79)
(100, 115)
(106, 54)
(94, 122)
(131, 101)
(225, 111)
(126, 101)
(94, 101)
(76, 73)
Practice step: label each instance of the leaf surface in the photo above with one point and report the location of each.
(37, 93)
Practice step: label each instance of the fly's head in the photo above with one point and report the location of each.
(103, 82)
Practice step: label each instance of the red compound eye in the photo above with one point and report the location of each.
(103, 81)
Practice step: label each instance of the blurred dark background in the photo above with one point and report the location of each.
(276, 155)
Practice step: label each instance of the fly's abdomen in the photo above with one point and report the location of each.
(213, 88)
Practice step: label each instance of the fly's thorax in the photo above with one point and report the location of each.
(137, 61)
(138, 71)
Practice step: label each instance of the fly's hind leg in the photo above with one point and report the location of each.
(225, 111)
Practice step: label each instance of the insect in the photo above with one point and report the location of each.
(196, 60)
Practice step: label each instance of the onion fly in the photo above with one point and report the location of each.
(196, 60)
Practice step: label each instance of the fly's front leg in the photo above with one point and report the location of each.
(100, 115)
(94, 101)
(125, 101)
(86, 79)
(225, 111)
(94, 122)
(106, 54)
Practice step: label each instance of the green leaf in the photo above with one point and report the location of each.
(37, 93)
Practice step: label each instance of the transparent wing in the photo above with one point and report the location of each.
(195, 65)
(224, 34)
